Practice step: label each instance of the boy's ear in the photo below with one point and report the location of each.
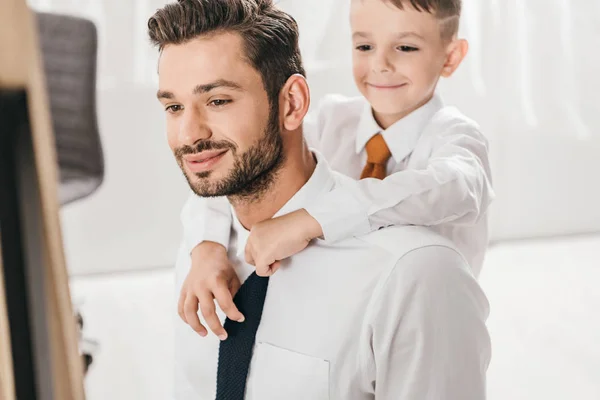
(295, 100)
(456, 52)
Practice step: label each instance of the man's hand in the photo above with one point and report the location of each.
(275, 239)
(211, 277)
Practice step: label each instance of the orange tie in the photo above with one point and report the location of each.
(378, 154)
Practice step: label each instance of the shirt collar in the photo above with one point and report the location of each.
(403, 135)
(320, 182)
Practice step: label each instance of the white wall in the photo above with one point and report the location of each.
(530, 80)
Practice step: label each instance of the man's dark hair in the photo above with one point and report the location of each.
(270, 36)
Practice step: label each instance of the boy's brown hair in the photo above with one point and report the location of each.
(270, 36)
(447, 11)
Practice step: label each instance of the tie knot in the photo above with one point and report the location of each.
(377, 150)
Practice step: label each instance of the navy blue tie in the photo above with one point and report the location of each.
(235, 353)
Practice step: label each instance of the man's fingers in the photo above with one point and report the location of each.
(225, 301)
(190, 309)
(209, 312)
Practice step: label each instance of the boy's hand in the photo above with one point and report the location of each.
(211, 277)
(278, 238)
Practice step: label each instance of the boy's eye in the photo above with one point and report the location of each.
(363, 47)
(407, 49)
(219, 102)
(173, 108)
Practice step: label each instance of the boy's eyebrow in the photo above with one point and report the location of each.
(360, 34)
(400, 35)
(203, 88)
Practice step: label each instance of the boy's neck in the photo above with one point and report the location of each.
(387, 120)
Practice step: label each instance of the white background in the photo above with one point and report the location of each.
(530, 80)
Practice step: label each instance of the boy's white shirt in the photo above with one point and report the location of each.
(438, 175)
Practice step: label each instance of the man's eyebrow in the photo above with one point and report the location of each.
(163, 94)
(204, 88)
(220, 83)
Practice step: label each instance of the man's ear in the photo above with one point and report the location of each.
(455, 53)
(294, 102)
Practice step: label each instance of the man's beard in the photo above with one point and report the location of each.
(253, 171)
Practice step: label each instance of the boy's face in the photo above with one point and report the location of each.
(398, 56)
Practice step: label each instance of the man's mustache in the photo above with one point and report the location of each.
(204, 145)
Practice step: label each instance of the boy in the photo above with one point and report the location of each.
(419, 162)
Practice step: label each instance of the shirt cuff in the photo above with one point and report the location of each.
(218, 232)
(339, 219)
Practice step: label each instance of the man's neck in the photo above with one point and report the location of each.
(289, 179)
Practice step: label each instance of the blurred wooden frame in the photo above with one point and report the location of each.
(21, 68)
(7, 387)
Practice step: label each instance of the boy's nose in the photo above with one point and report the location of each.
(381, 63)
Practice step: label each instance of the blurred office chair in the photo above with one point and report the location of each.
(69, 48)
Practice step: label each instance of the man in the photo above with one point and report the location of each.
(391, 315)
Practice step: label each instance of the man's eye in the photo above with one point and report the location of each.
(173, 108)
(407, 49)
(219, 102)
(363, 47)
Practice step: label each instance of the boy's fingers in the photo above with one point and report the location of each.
(180, 303)
(275, 266)
(225, 300)
(190, 309)
(207, 306)
(262, 269)
(264, 266)
(248, 254)
(234, 286)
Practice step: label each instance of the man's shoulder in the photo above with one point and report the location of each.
(420, 258)
(401, 240)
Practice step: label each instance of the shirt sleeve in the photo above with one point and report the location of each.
(206, 219)
(428, 338)
(453, 186)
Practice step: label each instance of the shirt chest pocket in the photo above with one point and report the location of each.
(279, 373)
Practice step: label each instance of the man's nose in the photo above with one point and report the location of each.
(193, 128)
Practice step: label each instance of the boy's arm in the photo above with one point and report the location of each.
(426, 337)
(207, 224)
(206, 219)
(455, 187)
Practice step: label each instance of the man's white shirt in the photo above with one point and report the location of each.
(393, 314)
